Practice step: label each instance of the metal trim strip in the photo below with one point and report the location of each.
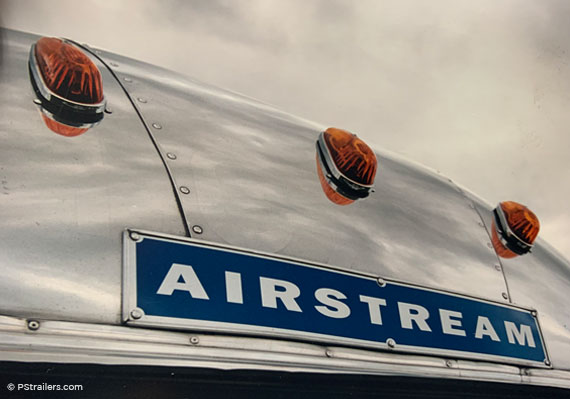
(67, 342)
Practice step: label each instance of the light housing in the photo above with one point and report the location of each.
(67, 83)
(346, 166)
(514, 229)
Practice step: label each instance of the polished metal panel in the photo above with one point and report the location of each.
(252, 182)
(66, 342)
(540, 279)
(65, 201)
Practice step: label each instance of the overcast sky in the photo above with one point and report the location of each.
(479, 90)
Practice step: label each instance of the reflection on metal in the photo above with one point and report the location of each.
(346, 166)
(61, 128)
(514, 229)
(68, 85)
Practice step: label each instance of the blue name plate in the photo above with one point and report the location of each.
(184, 284)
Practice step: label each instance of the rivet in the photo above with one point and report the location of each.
(329, 353)
(505, 296)
(194, 340)
(381, 282)
(490, 245)
(108, 110)
(135, 236)
(141, 99)
(127, 79)
(498, 268)
(449, 363)
(156, 126)
(136, 313)
(481, 224)
(526, 371)
(534, 313)
(391, 343)
(33, 325)
(547, 362)
(113, 64)
(197, 229)
(171, 155)
(37, 101)
(184, 190)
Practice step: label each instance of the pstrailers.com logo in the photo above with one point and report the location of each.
(44, 387)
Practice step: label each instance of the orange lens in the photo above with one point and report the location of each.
(351, 156)
(68, 72)
(522, 221)
(517, 237)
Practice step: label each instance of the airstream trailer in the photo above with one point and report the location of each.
(163, 236)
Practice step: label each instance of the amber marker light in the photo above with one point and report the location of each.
(514, 229)
(346, 166)
(68, 86)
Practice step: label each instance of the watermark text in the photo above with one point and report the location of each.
(44, 387)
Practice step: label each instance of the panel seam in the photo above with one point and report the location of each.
(151, 136)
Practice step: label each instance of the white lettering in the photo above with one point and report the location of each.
(287, 295)
(448, 324)
(234, 293)
(522, 336)
(484, 327)
(190, 282)
(374, 308)
(329, 297)
(419, 316)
